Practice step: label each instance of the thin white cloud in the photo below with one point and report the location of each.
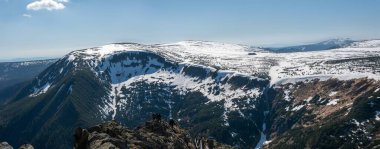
(26, 15)
(47, 4)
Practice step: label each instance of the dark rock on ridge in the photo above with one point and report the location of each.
(156, 133)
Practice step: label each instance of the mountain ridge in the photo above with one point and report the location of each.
(210, 88)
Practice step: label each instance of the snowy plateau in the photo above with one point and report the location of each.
(352, 61)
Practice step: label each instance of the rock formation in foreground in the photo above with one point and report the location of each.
(155, 133)
(5, 145)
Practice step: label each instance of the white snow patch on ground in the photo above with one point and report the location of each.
(111, 49)
(356, 122)
(267, 142)
(333, 94)
(41, 90)
(71, 58)
(287, 95)
(296, 108)
(366, 44)
(263, 137)
(377, 116)
(308, 99)
(70, 89)
(333, 102)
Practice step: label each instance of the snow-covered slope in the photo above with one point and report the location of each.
(343, 63)
(366, 44)
(171, 68)
(211, 86)
(167, 63)
(123, 63)
(358, 60)
(354, 61)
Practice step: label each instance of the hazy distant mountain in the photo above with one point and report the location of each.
(26, 59)
(324, 45)
(242, 96)
(13, 75)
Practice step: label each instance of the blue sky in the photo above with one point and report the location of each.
(44, 28)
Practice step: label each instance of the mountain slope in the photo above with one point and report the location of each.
(14, 75)
(212, 89)
(90, 86)
(326, 114)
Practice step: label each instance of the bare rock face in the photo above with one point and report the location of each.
(155, 133)
(5, 145)
(26, 146)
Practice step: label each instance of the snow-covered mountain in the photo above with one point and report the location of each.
(222, 90)
(128, 82)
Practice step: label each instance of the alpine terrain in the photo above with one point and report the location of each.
(324, 95)
(14, 75)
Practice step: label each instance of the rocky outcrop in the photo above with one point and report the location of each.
(155, 133)
(26, 146)
(5, 145)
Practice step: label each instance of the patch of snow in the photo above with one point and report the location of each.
(111, 49)
(233, 134)
(355, 122)
(267, 142)
(308, 99)
(41, 90)
(333, 102)
(263, 137)
(71, 58)
(333, 94)
(377, 115)
(366, 44)
(287, 95)
(225, 119)
(114, 102)
(70, 89)
(296, 108)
